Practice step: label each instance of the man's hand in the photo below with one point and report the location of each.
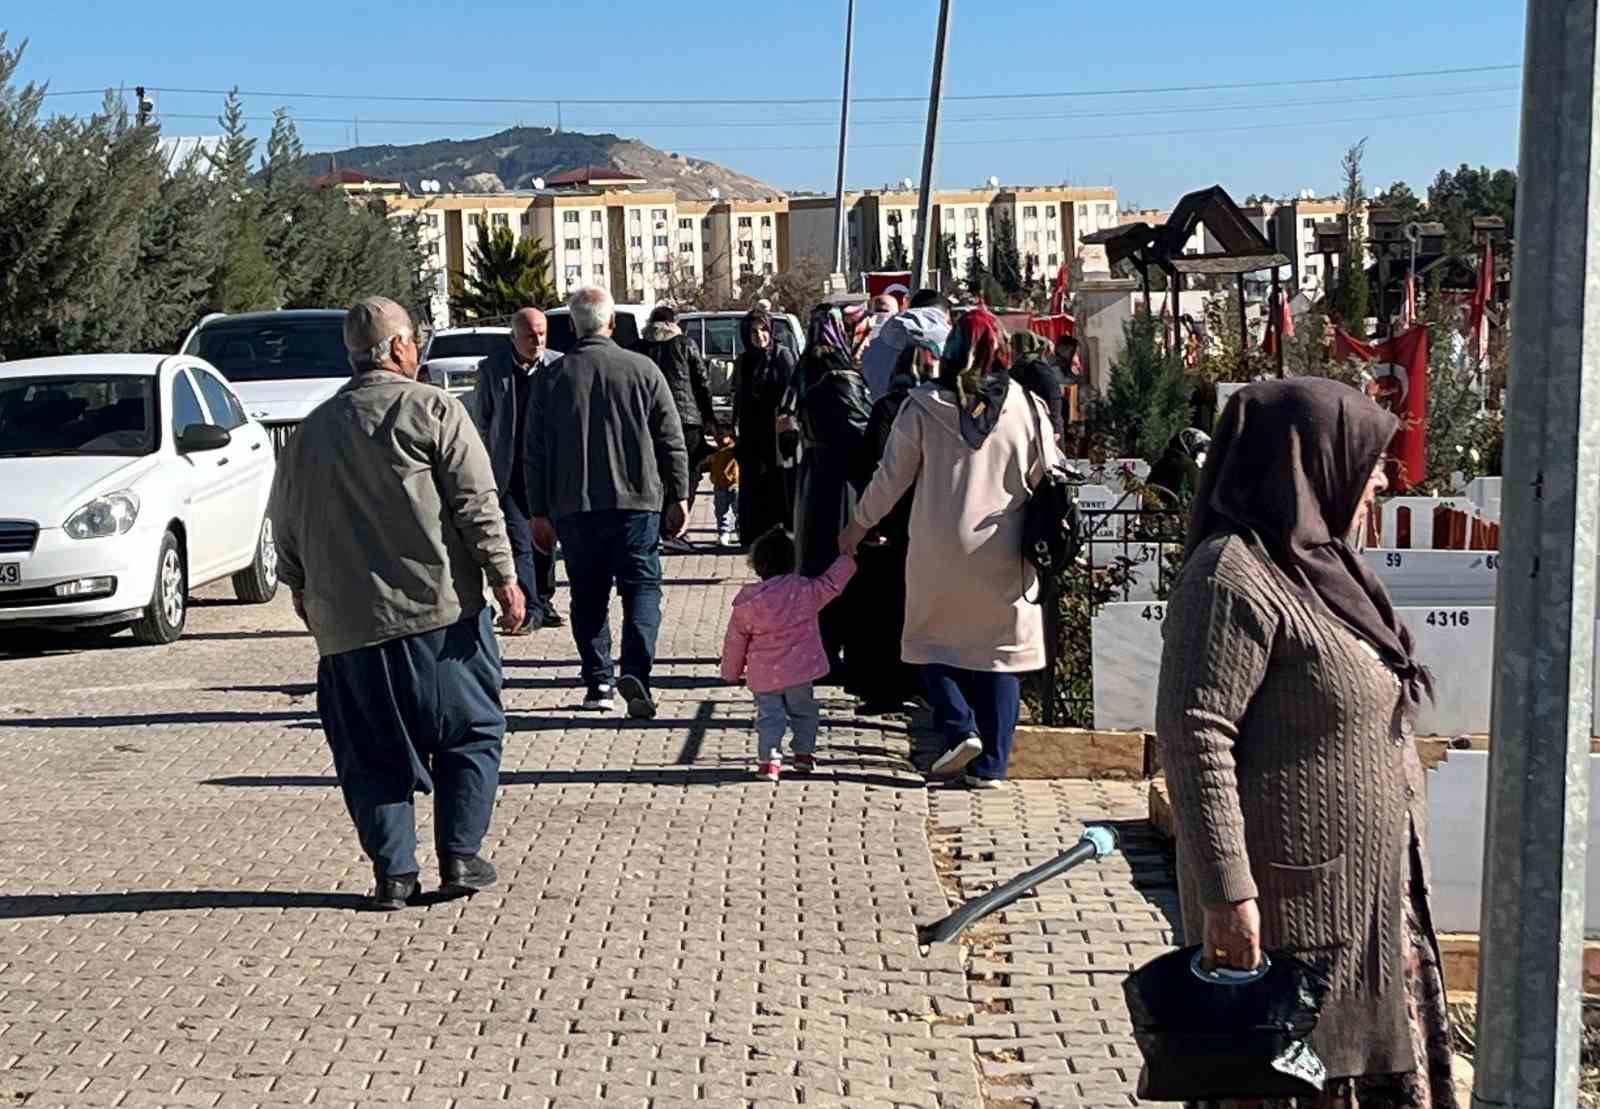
(1232, 936)
(513, 606)
(675, 521)
(544, 534)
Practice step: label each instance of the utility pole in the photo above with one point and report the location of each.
(142, 106)
(841, 238)
(919, 253)
(1530, 977)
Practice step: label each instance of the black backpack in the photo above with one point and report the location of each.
(1050, 538)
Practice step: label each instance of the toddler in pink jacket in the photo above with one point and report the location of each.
(773, 643)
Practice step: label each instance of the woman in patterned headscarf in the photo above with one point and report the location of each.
(831, 410)
(974, 444)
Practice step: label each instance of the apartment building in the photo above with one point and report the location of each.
(1047, 222)
(1295, 222)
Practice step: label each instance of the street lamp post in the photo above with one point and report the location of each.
(924, 228)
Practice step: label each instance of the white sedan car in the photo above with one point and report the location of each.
(126, 480)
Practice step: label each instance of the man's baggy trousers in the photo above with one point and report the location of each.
(418, 713)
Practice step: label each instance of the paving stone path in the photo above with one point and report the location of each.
(179, 888)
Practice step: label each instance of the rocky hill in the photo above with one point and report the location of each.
(512, 159)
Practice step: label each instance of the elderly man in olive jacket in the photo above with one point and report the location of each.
(387, 520)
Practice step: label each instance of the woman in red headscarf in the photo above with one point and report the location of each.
(974, 444)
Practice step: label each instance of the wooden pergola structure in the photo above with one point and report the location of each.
(1244, 250)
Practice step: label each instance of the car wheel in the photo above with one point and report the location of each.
(257, 583)
(163, 618)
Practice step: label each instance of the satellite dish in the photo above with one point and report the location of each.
(716, 194)
(538, 182)
(907, 184)
(994, 182)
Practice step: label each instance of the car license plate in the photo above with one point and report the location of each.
(10, 575)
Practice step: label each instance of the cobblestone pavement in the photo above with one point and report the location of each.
(1050, 1027)
(179, 886)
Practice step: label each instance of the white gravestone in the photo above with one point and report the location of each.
(1112, 473)
(1126, 647)
(1484, 493)
(1422, 577)
(1144, 564)
(1095, 502)
(1457, 799)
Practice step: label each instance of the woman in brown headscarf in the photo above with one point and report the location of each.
(1287, 695)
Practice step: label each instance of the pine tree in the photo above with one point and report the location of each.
(977, 275)
(1351, 298)
(510, 274)
(1006, 263)
(1147, 398)
(180, 249)
(246, 278)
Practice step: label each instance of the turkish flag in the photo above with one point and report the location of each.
(1477, 316)
(1397, 378)
(1280, 322)
(897, 285)
(1058, 292)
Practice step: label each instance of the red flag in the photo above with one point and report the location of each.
(1058, 292)
(1408, 311)
(897, 285)
(1280, 322)
(1478, 315)
(1398, 380)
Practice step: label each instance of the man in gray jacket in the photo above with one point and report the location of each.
(605, 452)
(387, 519)
(501, 406)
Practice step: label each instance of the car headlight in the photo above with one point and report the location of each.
(112, 514)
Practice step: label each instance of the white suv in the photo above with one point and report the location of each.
(451, 360)
(125, 480)
(283, 364)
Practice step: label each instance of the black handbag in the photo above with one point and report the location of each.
(1216, 1035)
(1050, 538)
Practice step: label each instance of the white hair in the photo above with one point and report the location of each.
(592, 309)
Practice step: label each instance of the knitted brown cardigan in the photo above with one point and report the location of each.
(1295, 782)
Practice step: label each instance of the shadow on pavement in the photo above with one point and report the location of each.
(155, 718)
(162, 901)
(647, 775)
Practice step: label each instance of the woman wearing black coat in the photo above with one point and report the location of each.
(833, 411)
(763, 372)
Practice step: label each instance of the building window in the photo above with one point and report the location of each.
(599, 269)
(746, 268)
(1051, 234)
(1311, 225)
(570, 217)
(659, 214)
(1104, 210)
(685, 248)
(574, 244)
(767, 268)
(475, 220)
(1083, 211)
(500, 219)
(1055, 259)
(636, 241)
(662, 240)
(1030, 211)
(598, 243)
(766, 221)
(431, 219)
(574, 272)
(766, 244)
(663, 267)
(635, 216)
(597, 216)
(686, 225)
(526, 220)
(744, 221)
(433, 250)
(637, 267)
(1049, 211)
(1311, 269)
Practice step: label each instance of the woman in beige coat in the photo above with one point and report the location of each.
(1287, 695)
(973, 445)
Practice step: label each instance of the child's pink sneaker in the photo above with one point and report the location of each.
(769, 770)
(805, 764)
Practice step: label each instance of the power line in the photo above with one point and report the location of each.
(1126, 134)
(552, 101)
(896, 121)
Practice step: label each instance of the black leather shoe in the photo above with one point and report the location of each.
(395, 892)
(552, 618)
(463, 875)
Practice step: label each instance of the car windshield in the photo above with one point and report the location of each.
(563, 338)
(42, 416)
(274, 349)
(471, 344)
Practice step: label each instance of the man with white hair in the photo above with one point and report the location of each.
(387, 520)
(605, 453)
(501, 405)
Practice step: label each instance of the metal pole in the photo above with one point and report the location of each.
(1278, 307)
(1244, 335)
(919, 253)
(841, 239)
(1530, 978)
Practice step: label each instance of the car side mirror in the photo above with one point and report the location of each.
(203, 437)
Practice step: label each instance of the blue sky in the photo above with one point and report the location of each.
(1151, 146)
